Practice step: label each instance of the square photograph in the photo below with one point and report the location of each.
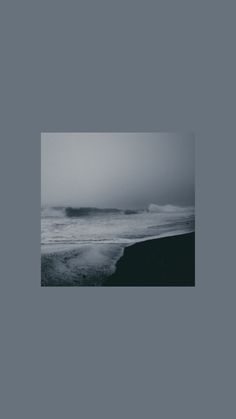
(117, 209)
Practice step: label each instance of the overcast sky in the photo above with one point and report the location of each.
(117, 170)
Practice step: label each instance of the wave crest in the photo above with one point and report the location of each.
(84, 211)
(169, 208)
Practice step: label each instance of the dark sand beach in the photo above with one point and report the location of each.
(166, 261)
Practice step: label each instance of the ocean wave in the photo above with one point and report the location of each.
(169, 208)
(84, 211)
(90, 211)
(75, 212)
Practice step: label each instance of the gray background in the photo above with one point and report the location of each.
(117, 66)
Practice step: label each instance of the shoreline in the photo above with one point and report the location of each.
(168, 261)
(163, 261)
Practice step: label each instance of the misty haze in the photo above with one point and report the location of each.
(117, 209)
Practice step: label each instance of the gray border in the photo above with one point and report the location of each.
(111, 353)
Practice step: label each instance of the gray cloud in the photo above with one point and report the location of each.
(117, 169)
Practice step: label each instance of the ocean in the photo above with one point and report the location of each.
(80, 246)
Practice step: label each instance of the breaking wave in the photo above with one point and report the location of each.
(74, 212)
(169, 208)
(84, 211)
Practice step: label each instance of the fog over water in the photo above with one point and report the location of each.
(122, 170)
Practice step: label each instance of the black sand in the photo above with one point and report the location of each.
(168, 261)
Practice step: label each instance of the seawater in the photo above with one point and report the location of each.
(61, 232)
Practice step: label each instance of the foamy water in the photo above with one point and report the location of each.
(59, 231)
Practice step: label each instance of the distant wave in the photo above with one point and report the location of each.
(89, 211)
(83, 211)
(130, 212)
(169, 208)
(92, 211)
